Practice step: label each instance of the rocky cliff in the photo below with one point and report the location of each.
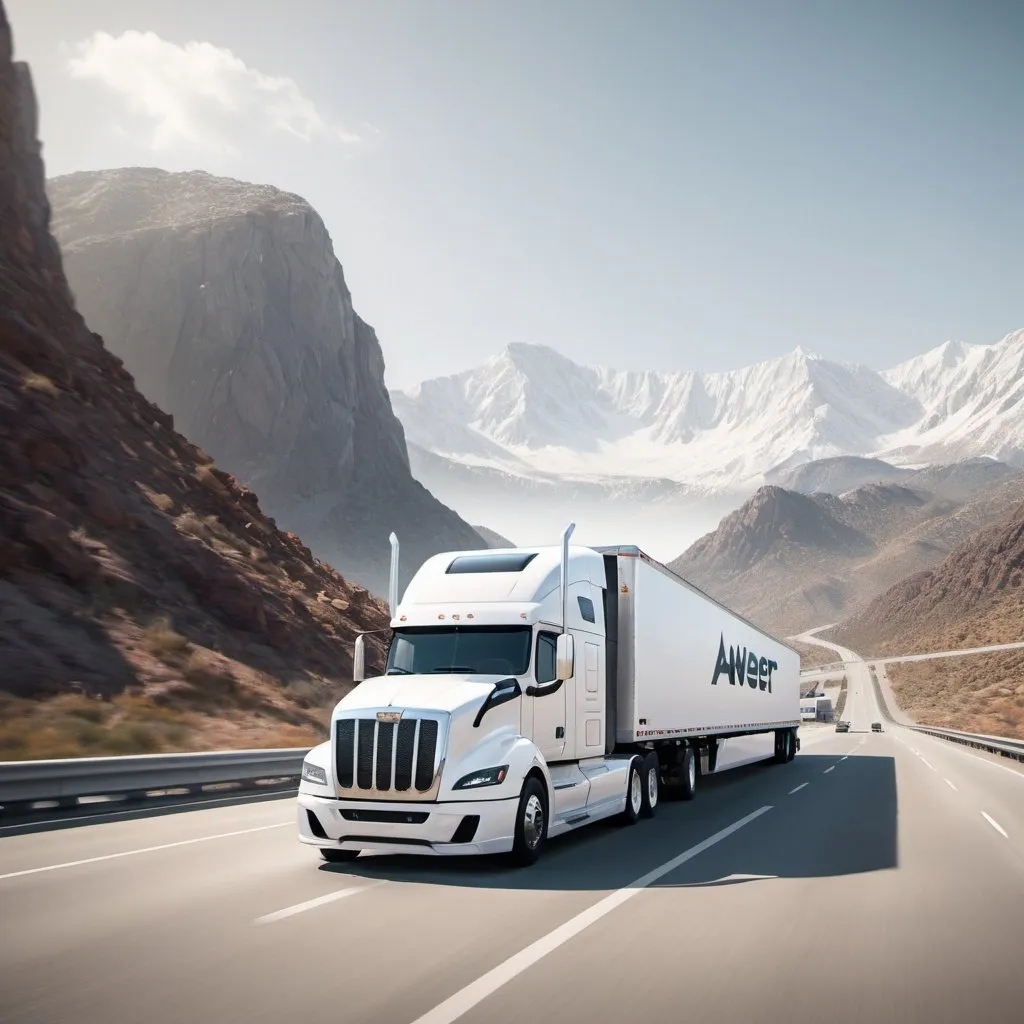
(146, 601)
(226, 302)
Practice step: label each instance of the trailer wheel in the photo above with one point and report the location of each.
(333, 856)
(650, 774)
(634, 794)
(781, 746)
(688, 781)
(792, 744)
(531, 823)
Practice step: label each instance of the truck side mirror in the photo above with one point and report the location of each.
(565, 650)
(359, 660)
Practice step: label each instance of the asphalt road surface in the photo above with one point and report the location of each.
(876, 878)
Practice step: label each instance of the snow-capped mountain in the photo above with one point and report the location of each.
(971, 399)
(529, 420)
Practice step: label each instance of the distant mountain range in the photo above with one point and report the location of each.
(791, 561)
(530, 421)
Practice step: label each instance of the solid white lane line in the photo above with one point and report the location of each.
(951, 786)
(995, 824)
(827, 770)
(477, 991)
(798, 788)
(340, 894)
(146, 849)
(926, 762)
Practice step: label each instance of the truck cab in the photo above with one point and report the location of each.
(495, 675)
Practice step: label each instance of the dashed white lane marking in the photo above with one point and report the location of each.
(146, 849)
(298, 908)
(928, 764)
(477, 991)
(995, 824)
(844, 757)
(798, 788)
(827, 770)
(951, 786)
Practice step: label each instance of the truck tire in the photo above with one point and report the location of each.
(650, 776)
(531, 829)
(793, 745)
(781, 746)
(339, 856)
(688, 776)
(634, 794)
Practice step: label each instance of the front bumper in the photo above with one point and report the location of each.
(430, 829)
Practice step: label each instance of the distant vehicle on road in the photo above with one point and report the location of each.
(842, 726)
(876, 726)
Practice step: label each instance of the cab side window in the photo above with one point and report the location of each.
(545, 666)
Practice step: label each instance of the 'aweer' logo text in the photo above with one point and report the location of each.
(743, 665)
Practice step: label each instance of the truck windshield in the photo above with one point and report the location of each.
(481, 650)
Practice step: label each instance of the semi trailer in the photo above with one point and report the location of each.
(530, 691)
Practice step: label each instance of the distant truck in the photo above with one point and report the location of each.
(531, 691)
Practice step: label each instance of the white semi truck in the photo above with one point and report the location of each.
(529, 692)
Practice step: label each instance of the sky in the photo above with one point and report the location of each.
(646, 185)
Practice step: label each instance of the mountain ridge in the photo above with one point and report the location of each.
(228, 304)
(790, 561)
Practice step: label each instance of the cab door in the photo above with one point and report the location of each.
(549, 717)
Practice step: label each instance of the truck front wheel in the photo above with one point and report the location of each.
(634, 793)
(531, 823)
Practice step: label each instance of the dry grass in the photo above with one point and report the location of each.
(72, 725)
(163, 641)
(40, 384)
(977, 693)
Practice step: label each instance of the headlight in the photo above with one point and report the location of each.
(485, 777)
(313, 773)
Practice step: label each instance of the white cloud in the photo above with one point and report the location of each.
(198, 95)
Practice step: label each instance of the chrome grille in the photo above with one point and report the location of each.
(388, 760)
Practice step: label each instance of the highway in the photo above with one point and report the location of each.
(878, 877)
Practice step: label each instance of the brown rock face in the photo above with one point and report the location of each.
(791, 561)
(134, 573)
(227, 303)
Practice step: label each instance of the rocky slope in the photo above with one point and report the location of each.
(973, 599)
(792, 561)
(146, 601)
(226, 302)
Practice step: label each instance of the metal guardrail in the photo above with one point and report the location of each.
(67, 780)
(993, 744)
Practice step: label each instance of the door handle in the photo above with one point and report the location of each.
(559, 732)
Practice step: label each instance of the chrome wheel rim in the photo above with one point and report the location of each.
(533, 821)
(691, 772)
(652, 786)
(636, 793)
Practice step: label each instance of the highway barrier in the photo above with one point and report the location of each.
(66, 781)
(993, 744)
